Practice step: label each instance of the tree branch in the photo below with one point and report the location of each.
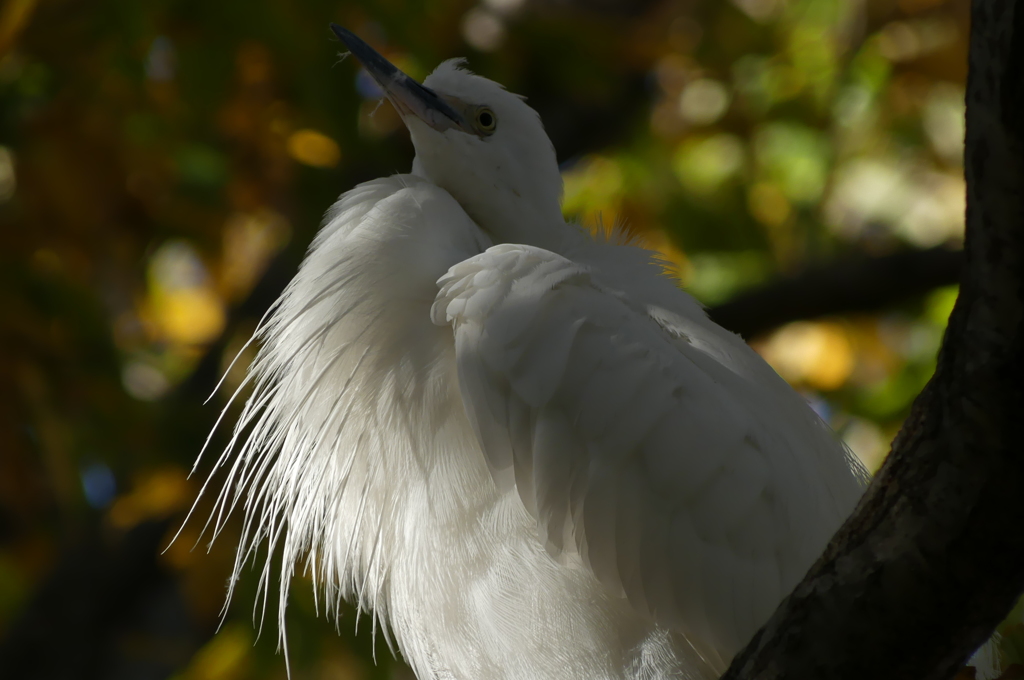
(857, 284)
(933, 557)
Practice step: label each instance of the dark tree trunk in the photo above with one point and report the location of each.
(933, 557)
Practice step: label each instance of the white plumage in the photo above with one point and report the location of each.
(522, 447)
(699, 488)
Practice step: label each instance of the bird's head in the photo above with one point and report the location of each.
(477, 141)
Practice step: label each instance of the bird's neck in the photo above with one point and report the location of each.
(518, 221)
(507, 215)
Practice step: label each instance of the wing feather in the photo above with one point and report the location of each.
(637, 446)
(489, 411)
(684, 548)
(655, 563)
(631, 520)
(558, 453)
(598, 521)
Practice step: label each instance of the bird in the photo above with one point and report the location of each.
(518, 445)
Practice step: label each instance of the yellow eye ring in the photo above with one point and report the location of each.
(486, 121)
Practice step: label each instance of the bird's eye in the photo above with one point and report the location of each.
(486, 120)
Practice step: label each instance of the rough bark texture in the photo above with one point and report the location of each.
(933, 557)
(862, 283)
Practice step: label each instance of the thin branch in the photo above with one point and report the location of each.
(855, 284)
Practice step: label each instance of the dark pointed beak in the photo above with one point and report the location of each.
(408, 96)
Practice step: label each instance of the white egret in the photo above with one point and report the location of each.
(520, 446)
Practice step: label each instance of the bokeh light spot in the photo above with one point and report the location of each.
(944, 122)
(156, 495)
(482, 29)
(504, 7)
(818, 354)
(768, 204)
(8, 178)
(160, 62)
(225, 657)
(704, 101)
(313, 148)
(250, 240)
(867, 441)
(796, 157)
(702, 165)
(192, 316)
(200, 165)
(98, 485)
(760, 10)
(182, 303)
(144, 382)
(366, 85)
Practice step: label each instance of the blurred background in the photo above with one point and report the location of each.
(164, 164)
